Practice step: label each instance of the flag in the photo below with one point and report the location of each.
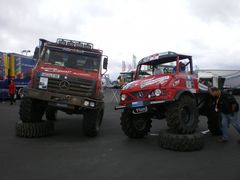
(134, 64)
(123, 66)
(129, 67)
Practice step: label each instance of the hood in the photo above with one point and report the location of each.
(150, 82)
(67, 71)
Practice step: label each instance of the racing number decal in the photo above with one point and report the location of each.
(189, 82)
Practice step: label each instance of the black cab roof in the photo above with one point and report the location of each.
(164, 57)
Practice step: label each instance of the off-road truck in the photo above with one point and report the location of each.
(164, 86)
(67, 77)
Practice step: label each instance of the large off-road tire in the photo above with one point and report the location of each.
(182, 115)
(36, 129)
(51, 114)
(92, 120)
(180, 142)
(31, 110)
(135, 125)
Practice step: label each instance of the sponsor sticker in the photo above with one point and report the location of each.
(148, 82)
(50, 75)
(43, 83)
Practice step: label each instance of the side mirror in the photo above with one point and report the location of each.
(36, 53)
(105, 63)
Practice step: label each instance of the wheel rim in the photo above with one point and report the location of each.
(140, 124)
(186, 115)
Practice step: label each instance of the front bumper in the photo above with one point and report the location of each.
(61, 100)
(145, 103)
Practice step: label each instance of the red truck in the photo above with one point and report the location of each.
(68, 78)
(164, 86)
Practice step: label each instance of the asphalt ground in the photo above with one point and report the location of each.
(68, 154)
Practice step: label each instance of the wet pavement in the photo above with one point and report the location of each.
(68, 154)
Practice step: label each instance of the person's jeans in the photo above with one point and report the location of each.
(229, 119)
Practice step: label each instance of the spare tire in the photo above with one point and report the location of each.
(180, 142)
(37, 129)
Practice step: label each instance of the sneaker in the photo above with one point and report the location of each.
(222, 140)
(205, 132)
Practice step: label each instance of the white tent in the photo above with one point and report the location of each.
(232, 77)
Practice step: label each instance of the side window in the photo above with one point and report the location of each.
(158, 70)
(46, 57)
(185, 66)
(145, 71)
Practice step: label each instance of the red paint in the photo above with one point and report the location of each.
(169, 87)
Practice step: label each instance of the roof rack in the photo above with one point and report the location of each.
(75, 44)
(72, 44)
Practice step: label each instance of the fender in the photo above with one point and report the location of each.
(184, 92)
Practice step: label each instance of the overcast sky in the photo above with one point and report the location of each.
(209, 30)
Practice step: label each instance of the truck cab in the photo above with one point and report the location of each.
(159, 78)
(67, 77)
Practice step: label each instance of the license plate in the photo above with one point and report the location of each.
(62, 105)
(140, 110)
(137, 104)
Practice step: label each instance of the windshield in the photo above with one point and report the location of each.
(125, 77)
(149, 70)
(71, 60)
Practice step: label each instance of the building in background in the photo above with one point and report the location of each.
(17, 67)
(224, 79)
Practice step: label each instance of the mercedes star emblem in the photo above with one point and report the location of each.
(140, 94)
(64, 85)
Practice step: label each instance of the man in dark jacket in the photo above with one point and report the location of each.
(227, 105)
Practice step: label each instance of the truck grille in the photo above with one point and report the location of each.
(138, 95)
(74, 86)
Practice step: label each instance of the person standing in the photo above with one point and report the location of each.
(12, 91)
(228, 107)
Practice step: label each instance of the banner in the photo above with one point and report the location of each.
(23, 66)
(6, 64)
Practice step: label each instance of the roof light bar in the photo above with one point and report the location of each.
(73, 43)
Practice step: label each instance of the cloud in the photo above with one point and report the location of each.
(226, 11)
(24, 22)
(208, 30)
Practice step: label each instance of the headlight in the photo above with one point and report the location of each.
(92, 104)
(158, 92)
(86, 103)
(123, 97)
